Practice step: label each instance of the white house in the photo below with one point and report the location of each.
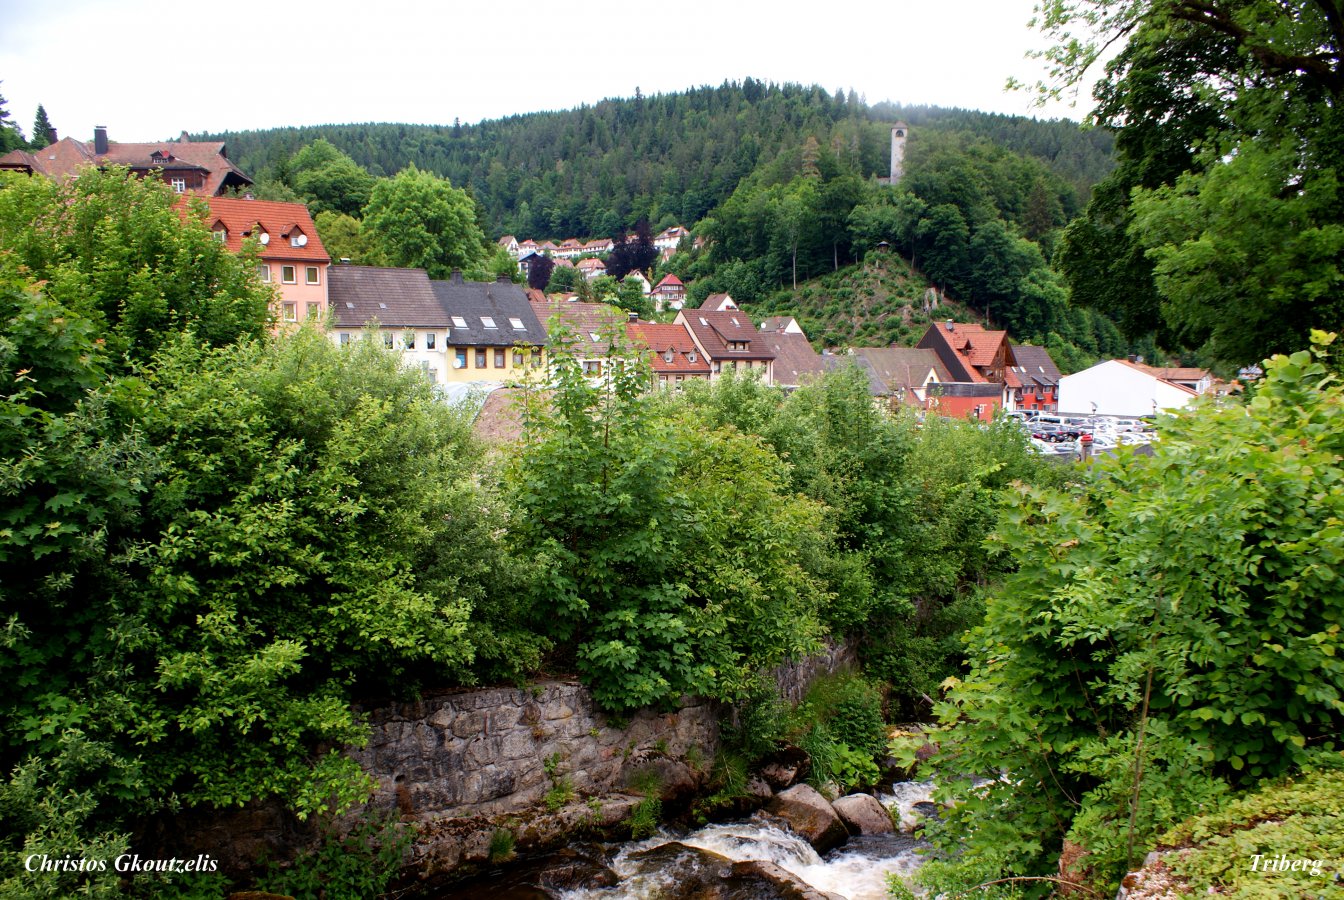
(1120, 388)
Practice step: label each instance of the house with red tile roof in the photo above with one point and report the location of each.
(668, 293)
(969, 352)
(729, 340)
(669, 238)
(200, 167)
(584, 330)
(291, 255)
(1026, 375)
(591, 268)
(673, 355)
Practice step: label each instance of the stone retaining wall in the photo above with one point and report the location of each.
(462, 765)
(486, 752)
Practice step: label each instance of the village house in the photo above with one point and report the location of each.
(494, 333)
(394, 306)
(668, 293)
(453, 331)
(510, 245)
(1033, 379)
(290, 252)
(718, 303)
(669, 238)
(901, 375)
(975, 355)
(727, 338)
(672, 353)
(200, 167)
(796, 362)
(583, 330)
(591, 268)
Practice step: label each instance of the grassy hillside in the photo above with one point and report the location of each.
(876, 303)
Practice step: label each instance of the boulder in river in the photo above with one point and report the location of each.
(810, 816)
(863, 814)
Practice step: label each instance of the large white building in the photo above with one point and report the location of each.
(1121, 388)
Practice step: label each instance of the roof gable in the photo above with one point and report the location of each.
(260, 219)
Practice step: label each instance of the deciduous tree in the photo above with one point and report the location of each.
(420, 220)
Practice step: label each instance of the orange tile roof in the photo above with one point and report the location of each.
(240, 218)
(669, 340)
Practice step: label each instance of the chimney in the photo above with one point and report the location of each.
(345, 260)
(503, 279)
(100, 139)
(949, 325)
(456, 277)
(634, 317)
(51, 136)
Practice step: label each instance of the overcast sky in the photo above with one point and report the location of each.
(150, 70)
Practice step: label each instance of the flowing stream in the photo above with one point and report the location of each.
(857, 870)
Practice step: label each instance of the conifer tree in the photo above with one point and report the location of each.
(43, 133)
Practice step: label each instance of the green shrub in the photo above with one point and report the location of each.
(360, 864)
(501, 845)
(1171, 631)
(644, 818)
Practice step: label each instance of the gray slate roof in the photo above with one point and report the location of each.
(484, 303)
(397, 298)
(1034, 365)
(890, 368)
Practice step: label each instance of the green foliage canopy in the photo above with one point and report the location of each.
(418, 220)
(1169, 633)
(116, 250)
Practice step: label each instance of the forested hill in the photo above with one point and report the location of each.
(669, 157)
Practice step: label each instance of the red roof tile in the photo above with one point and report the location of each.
(279, 220)
(671, 348)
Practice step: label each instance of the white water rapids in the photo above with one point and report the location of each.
(857, 870)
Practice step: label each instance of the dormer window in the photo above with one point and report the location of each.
(296, 236)
(667, 357)
(259, 232)
(691, 356)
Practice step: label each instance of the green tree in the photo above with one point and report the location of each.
(329, 180)
(200, 593)
(344, 237)
(1217, 103)
(419, 220)
(674, 560)
(122, 252)
(42, 129)
(11, 138)
(1169, 632)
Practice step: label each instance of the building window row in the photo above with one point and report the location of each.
(289, 274)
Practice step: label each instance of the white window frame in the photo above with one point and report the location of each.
(264, 270)
(179, 185)
(290, 310)
(312, 275)
(289, 275)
